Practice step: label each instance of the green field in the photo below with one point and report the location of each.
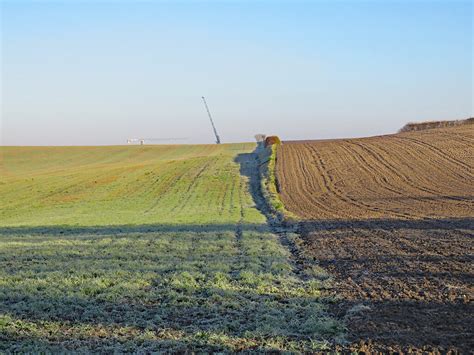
(146, 248)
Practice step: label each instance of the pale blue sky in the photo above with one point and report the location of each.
(83, 72)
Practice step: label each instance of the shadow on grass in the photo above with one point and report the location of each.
(170, 341)
(67, 230)
(304, 226)
(249, 167)
(139, 281)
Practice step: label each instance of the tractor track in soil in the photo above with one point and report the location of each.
(391, 218)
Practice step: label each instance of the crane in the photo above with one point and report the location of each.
(218, 140)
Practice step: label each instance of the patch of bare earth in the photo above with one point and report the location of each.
(392, 219)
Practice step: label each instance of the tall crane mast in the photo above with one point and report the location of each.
(218, 140)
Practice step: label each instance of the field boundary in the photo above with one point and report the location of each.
(421, 126)
(282, 222)
(267, 157)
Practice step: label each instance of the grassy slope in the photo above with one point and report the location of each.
(145, 248)
(120, 185)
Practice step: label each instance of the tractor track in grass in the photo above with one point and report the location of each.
(173, 181)
(189, 190)
(239, 236)
(253, 168)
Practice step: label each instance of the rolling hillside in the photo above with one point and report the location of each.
(86, 186)
(147, 249)
(392, 220)
(413, 175)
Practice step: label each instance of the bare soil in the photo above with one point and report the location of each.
(391, 218)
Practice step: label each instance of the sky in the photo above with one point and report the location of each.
(97, 73)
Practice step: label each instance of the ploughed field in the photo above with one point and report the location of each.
(392, 219)
(147, 248)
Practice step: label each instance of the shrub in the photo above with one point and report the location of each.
(271, 140)
(419, 126)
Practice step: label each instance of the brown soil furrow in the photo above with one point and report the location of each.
(425, 156)
(466, 139)
(415, 182)
(328, 181)
(445, 182)
(438, 179)
(398, 238)
(407, 181)
(305, 196)
(365, 165)
(371, 169)
(439, 152)
(328, 185)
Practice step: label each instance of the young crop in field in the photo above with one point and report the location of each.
(146, 249)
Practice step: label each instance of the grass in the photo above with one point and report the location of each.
(88, 186)
(269, 183)
(118, 249)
